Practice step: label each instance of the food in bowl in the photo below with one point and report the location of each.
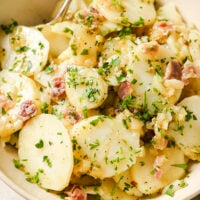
(103, 105)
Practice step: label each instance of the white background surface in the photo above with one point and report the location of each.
(7, 193)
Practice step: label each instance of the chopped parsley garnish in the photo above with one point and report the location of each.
(10, 27)
(49, 69)
(35, 178)
(68, 30)
(190, 115)
(140, 22)
(125, 31)
(40, 144)
(128, 102)
(3, 111)
(22, 49)
(17, 164)
(45, 107)
(170, 191)
(47, 160)
(84, 52)
(95, 144)
(183, 166)
(74, 49)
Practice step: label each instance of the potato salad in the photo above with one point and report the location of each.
(104, 104)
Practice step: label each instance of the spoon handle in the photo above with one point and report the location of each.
(62, 12)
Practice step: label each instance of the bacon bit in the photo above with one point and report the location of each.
(150, 47)
(76, 193)
(72, 116)
(90, 18)
(125, 89)
(158, 163)
(57, 89)
(190, 71)
(161, 31)
(159, 142)
(95, 11)
(165, 26)
(27, 110)
(173, 71)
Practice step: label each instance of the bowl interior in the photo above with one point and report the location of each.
(15, 178)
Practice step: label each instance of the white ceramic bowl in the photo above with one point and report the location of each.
(15, 178)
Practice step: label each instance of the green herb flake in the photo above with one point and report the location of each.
(45, 108)
(183, 166)
(128, 102)
(74, 49)
(3, 111)
(94, 145)
(182, 183)
(10, 27)
(84, 52)
(140, 22)
(68, 30)
(170, 191)
(47, 160)
(40, 144)
(17, 164)
(124, 122)
(41, 45)
(94, 122)
(22, 49)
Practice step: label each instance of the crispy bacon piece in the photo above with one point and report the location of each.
(159, 142)
(173, 71)
(72, 116)
(125, 90)
(150, 47)
(91, 18)
(161, 31)
(190, 71)
(76, 193)
(165, 26)
(157, 165)
(27, 110)
(57, 90)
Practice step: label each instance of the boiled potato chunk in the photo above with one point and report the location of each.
(26, 50)
(156, 170)
(15, 90)
(106, 146)
(188, 137)
(85, 88)
(84, 47)
(45, 150)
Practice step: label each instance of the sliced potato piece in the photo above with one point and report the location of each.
(57, 42)
(16, 90)
(26, 50)
(45, 150)
(155, 170)
(186, 135)
(85, 88)
(194, 46)
(105, 146)
(83, 48)
(137, 12)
